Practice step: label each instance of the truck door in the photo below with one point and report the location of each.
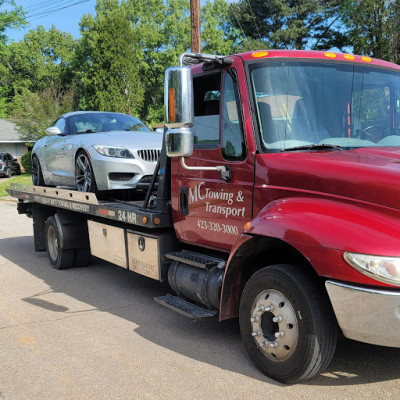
(208, 209)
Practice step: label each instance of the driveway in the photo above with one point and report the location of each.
(96, 333)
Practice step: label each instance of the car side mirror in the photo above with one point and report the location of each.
(53, 130)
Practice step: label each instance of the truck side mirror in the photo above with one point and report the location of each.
(178, 100)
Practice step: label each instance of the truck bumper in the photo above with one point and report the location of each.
(367, 315)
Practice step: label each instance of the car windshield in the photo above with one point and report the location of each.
(303, 104)
(104, 122)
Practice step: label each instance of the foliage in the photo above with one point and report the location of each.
(163, 30)
(289, 23)
(118, 63)
(26, 162)
(218, 35)
(41, 60)
(10, 17)
(21, 179)
(373, 27)
(108, 59)
(39, 110)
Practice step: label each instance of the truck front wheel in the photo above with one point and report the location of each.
(287, 324)
(59, 258)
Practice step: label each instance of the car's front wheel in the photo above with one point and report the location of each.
(84, 176)
(37, 176)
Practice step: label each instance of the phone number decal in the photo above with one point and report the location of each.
(217, 227)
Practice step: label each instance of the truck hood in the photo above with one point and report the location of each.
(367, 174)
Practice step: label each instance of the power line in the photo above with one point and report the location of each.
(49, 7)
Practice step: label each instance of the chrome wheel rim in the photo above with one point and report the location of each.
(52, 243)
(83, 173)
(274, 325)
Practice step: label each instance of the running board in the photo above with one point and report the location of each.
(184, 307)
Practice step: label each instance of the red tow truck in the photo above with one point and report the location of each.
(276, 199)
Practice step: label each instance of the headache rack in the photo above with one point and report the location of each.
(210, 61)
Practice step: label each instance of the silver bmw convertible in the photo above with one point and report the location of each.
(96, 151)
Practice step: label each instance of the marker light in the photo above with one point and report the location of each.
(349, 57)
(247, 226)
(259, 54)
(171, 105)
(329, 54)
(366, 59)
(383, 269)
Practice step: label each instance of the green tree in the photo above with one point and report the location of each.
(294, 24)
(11, 16)
(108, 60)
(39, 110)
(41, 59)
(373, 27)
(218, 34)
(163, 29)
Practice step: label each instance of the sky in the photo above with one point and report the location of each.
(63, 14)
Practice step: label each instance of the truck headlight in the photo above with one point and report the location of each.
(383, 269)
(109, 151)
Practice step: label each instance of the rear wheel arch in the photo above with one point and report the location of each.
(255, 254)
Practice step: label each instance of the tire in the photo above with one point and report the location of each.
(9, 173)
(37, 175)
(82, 258)
(59, 258)
(287, 324)
(84, 175)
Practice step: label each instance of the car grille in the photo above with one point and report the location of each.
(149, 155)
(120, 176)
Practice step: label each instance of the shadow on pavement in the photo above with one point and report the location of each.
(105, 287)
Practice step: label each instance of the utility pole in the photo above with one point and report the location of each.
(195, 23)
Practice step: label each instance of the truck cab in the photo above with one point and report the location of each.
(291, 166)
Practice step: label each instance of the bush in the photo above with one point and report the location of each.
(26, 162)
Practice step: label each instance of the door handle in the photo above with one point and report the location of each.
(183, 201)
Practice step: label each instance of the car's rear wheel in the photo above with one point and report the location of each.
(9, 173)
(84, 176)
(37, 176)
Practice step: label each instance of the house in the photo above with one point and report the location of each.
(10, 142)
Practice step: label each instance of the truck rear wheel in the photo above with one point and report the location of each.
(59, 258)
(287, 324)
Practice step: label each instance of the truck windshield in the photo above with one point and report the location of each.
(300, 104)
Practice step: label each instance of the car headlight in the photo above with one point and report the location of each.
(109, 151)
(383, 269)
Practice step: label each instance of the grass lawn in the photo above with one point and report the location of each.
(24, 179)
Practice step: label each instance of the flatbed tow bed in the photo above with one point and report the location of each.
(129, 212)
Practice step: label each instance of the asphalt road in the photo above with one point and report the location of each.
(96, 333)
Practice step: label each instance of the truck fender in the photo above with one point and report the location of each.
(314, 232)
(73, 231)
(337, 224)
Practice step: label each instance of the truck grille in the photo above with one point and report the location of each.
(149, 155)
